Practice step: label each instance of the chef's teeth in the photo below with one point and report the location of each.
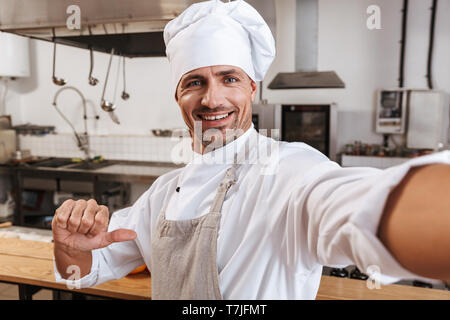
(215, 117)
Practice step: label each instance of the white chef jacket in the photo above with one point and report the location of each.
(277, 230)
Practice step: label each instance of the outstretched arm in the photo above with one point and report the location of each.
(415, 226)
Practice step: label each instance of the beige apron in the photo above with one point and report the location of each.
(184, 264)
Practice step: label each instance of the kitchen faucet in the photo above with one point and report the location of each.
(83, 140)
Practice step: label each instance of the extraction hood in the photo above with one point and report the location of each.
(306, 50)
(134, 28)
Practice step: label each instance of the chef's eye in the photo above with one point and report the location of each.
(193, 83)
(231, 80)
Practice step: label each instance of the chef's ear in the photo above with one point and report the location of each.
(176, 91)
(254, 89)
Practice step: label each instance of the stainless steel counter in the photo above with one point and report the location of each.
(111, 170)
(140, 170)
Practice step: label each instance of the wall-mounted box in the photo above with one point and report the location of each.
(428, 119)
(391, 111)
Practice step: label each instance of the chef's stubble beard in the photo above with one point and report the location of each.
(214, 138)
(269, 162)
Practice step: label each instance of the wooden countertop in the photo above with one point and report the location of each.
(31, 262)
(333, 288)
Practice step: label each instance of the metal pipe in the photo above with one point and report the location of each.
(431, 45)
(403, 43)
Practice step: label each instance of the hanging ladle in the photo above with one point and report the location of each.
(92, 81)
(125, 95)
(56, 80)
(106, 105)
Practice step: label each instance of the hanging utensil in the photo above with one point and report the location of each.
(125, 95)
(56, 80)
(92, 81)
(117, 80)
(106, 105)
(113, 117)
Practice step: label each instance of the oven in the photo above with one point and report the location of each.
(313, 124)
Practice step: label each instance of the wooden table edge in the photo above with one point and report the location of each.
(97, 290)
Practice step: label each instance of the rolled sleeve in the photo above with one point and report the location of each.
(344, 207)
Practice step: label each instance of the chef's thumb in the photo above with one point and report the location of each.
(120, 235)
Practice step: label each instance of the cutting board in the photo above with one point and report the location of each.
(7, 144)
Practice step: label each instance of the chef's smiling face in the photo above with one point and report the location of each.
(218, 97)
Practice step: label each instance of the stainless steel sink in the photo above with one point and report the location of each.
(63, 163)
(88, 165)
(53, 163)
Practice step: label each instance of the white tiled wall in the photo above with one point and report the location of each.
(112, 147)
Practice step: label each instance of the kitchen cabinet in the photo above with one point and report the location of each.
(39, 191)
(37, 198)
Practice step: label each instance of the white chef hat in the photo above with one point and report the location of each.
(213, 33)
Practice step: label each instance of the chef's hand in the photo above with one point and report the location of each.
(83, 226)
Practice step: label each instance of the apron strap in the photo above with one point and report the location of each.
(226, 183)
(230, 175)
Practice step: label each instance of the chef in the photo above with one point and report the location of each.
(233, 224)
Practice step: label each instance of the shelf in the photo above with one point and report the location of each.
(371, 161)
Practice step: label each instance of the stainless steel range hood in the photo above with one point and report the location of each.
(134, 28)
(306, 50)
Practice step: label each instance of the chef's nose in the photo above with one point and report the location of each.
(213, 96)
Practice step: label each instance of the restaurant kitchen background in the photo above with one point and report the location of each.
(373, 85)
